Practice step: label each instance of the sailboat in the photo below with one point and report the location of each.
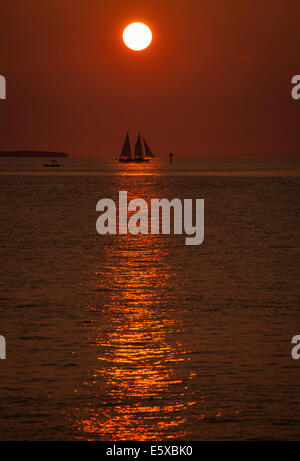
(139, 156)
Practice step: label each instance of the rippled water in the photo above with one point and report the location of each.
(142, 337)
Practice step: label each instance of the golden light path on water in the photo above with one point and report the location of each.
(140, 373)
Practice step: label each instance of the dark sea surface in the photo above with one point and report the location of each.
(142, 337)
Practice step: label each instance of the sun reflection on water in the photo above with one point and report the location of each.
(136, 389)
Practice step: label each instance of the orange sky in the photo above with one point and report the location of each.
(215, 81)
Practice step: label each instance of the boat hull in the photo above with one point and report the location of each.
(133, 160)
(125, 160)
(140, 160)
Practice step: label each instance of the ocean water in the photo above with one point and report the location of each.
(142, 337)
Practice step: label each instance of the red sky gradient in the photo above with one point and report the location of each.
(214, 83)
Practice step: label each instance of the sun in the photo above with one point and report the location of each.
(137, 36)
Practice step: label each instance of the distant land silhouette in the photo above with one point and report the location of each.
(31, 153)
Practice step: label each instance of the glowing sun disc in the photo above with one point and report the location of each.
(137, 36)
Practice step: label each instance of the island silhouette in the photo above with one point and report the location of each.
(31, 153)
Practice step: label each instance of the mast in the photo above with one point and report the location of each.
(147, 149)
(138, 152)
(126, 151)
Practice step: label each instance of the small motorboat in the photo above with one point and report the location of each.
(52, 164)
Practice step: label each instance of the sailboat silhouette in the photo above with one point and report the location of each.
(139, 154)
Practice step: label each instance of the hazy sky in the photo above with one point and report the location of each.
(214, 83)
